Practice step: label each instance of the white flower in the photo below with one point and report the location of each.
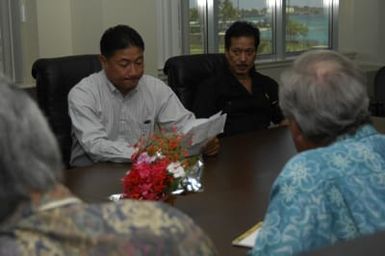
(159, 155)
(176, 170)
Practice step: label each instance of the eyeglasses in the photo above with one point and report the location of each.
(238, 52)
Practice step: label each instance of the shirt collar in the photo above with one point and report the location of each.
(361, 132)
(110, 86)
(114, 90)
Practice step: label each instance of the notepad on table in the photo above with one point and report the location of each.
(247, 239)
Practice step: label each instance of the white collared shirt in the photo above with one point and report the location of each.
(106, 124)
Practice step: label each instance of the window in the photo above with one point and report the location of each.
(10, 42)
(287, 27)
(5, 40)
(1, 52)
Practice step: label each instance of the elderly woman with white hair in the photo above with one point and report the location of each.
(39, 216)
(334, 189)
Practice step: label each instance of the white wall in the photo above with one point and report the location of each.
(140, 15)
(67, 27)
(361, 30)
(29, 41)
(54, 26)
(87, 26)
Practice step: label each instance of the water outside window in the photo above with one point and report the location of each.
(196, 29)
(305, 22)
(254, 11)
(307, 25)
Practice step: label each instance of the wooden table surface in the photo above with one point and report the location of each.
(237, 184)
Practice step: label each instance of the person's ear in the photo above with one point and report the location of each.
(103, 60)
(300, 141)
(227, 53)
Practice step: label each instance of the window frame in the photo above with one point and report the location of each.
(6, 57)
(10, 25)
(207, 12)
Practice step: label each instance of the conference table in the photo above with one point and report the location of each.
(237, 184)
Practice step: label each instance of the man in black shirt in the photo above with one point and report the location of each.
(249, 98)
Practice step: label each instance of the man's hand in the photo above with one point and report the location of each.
(212, 147)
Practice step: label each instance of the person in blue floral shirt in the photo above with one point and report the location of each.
(39, 216)
(334, 189)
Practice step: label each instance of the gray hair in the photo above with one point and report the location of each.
(325, 93)
(30, 159)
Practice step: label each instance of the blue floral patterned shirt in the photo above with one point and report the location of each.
(325, 195)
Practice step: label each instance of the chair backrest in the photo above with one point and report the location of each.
(377, 104)
(54, 79)
(185, 72)
(379, 85)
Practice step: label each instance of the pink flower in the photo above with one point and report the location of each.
(157, 167)
(145, 158)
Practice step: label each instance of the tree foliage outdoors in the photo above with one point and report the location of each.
(227, 14)
(295, 28)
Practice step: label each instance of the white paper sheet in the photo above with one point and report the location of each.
(204, 129)
(247, 239)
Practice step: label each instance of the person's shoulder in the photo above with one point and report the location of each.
(151, 85)
(148, 219)
(129, 211)
(91, 80)
(151, 79)
(151, 82)
(307, 165)
(134, 209)
(265, 79)
(87, 85)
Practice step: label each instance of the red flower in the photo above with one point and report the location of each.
(148, 181)
(149, 178)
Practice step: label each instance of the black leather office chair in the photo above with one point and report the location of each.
(54, 79)
(378, 102)
(185, 72)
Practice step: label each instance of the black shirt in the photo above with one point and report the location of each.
(245, 111)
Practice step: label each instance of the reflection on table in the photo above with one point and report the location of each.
(237, 183)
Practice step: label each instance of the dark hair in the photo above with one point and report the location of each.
(239, 29)
(119, 37)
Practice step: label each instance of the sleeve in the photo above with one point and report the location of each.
(171, 112)
(90, 132)
(174, 116)
(205, 99)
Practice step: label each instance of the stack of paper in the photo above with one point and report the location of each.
(247, 239)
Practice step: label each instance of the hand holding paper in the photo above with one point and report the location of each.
(204, 129)
(212, 147)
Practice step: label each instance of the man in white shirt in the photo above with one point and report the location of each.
(112, 109)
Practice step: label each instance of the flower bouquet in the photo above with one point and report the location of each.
(162, 167)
